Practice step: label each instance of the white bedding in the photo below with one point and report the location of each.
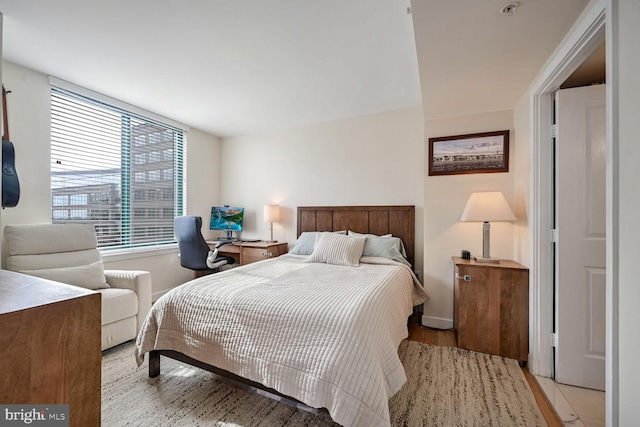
(326, 335)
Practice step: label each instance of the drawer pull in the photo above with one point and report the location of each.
(466, 277)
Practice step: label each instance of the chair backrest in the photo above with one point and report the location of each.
(193, 247)
(41, 246)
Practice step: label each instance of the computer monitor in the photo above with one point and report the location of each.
(226, 219)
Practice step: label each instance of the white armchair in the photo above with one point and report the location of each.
(68, 253)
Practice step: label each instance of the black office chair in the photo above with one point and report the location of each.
(195, 253)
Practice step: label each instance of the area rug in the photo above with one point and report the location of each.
(445, 387)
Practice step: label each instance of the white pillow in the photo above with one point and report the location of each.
(353, 233)
(89, 276)
(337, 249)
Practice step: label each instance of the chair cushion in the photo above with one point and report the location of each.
(90, 276)
(118, 304)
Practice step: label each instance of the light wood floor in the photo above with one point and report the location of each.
(448, 339)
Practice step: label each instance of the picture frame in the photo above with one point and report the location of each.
(486, 152)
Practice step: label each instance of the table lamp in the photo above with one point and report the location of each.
(487, 206)
(271, 215)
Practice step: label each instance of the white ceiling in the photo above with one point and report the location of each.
(473, 59)
(231, 67)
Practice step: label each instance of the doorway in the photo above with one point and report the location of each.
(586, 36)
(583, 39)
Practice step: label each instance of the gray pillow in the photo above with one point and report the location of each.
(304, 244)
(385, 246)
(89, 276)
(337, 249)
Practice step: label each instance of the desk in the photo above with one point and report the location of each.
(247, 252)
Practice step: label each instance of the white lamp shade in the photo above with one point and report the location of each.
(487, 206)
(271, 213)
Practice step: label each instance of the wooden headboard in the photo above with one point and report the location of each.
(396, 220)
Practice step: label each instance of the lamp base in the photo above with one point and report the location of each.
(486, 260)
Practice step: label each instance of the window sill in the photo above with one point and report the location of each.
(121, 254)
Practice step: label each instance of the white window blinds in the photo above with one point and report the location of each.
(116, 169)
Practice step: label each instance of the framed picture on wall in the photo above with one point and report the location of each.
(473, 153)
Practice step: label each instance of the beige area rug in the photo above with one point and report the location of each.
(445, 387)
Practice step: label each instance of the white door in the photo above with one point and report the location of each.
(580, 248)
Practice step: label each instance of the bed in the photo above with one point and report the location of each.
(320, 333)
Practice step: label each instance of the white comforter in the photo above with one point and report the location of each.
(326, 335)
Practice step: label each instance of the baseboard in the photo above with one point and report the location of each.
(437, 322)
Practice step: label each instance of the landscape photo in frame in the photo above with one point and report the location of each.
(473, 153)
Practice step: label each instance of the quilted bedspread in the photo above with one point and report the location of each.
(326, 335)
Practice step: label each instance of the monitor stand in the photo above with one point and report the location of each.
(228, 238)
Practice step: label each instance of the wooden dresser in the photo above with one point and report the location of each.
(50, 346)
(491, 307)
(248, 252)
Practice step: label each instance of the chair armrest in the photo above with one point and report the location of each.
(137, 281)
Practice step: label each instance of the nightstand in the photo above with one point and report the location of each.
(491, 307)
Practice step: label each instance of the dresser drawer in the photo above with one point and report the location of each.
(250, 255)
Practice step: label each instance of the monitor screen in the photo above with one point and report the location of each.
(226, 218)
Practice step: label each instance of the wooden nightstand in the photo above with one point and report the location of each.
(491, 307)
(248, 252)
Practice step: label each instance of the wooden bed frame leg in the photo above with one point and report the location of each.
(154, 363)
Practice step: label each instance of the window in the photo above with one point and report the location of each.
(101, 172)
(60, 200)
(154, 175)
(154, 156)
(140, 159)
(78, 199)
(60, 214)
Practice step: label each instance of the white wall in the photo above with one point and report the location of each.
(445, 197)
(28, 110)
(622, 76)
(29, 125)
(203, 175)
(371, 160)
(522, 181)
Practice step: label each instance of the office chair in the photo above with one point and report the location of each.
(195, 253)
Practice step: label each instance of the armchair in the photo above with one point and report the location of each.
(68, 253)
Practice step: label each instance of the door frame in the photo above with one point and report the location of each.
(584, 37)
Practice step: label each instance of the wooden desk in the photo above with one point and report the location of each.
(247, 252)
(50, 346)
